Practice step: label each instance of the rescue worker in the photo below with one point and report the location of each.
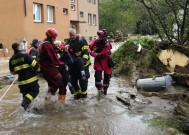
(79, 70)
(101, 51)
(33, 49)
(65, 57)
(50, 63)
(26, 67)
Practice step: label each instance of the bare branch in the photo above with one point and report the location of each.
(184, 20)
(162, 22)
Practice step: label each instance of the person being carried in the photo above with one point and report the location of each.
(101, 51)
(26, 67)
(65, 57)
(50, 64)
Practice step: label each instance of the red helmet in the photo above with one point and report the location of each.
(102, 33)
(51, 33)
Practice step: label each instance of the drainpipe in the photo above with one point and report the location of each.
(25, 13)
(78, 16)
(98, 15)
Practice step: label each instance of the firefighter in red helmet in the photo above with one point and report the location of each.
(101, 51)
(50, 63)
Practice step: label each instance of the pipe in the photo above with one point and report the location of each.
(25, 13)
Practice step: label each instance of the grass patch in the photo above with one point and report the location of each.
(169, 125)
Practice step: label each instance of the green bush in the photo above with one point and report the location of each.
(127, 53)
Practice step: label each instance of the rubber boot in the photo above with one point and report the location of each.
(83, 95)
(77, 95)
(62, 97)
(25, 103)
(72, 90)
(101, 94)
(105, 92)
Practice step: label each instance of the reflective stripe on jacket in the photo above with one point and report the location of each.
(25, 66)
(79, 48)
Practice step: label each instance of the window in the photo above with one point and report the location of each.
(72, 1)
(89, 1)
(81, 14)
(37, 8)
(1, 46)
(65, 11)
(89, 19)
(50, 14)
(72, 7)
(94, 19)
(94, 1)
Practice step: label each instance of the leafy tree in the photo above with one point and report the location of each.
(120, 15)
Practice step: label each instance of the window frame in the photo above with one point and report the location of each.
(65, 9)
(50, 9)
(94, 19)
(72, 1)
(89, 19)
(73, 9)
(94, 1)
(81, 13)
(35, 12)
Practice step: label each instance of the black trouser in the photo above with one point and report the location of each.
(65, 75)
(98, 80)
(78, 64)
(29, 91)
(81, 88)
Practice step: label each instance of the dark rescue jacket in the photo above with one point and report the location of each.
(79, 48)
(33, 52)
(25, 66)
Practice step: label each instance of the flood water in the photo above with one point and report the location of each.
(92, 116)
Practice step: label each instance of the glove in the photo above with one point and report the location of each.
(92, 53)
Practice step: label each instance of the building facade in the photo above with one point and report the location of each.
(23, 20)
(85, 17)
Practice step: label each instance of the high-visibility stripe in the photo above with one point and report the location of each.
(77, 92)
(60, 49)
(21, 67)
(78, 53)
(85, 56)
(29, 97)
(38, 69)
(87, 63)
(34, 57)
(83, 92)
(28, 81)
(85, 47)
(33, 63)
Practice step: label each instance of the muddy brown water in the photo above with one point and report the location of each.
(92, 116)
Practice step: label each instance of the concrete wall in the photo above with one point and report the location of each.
(17, 23)
(18, 26)
(37, 29)
(84, 28)
(11, 26)
(74, 13)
